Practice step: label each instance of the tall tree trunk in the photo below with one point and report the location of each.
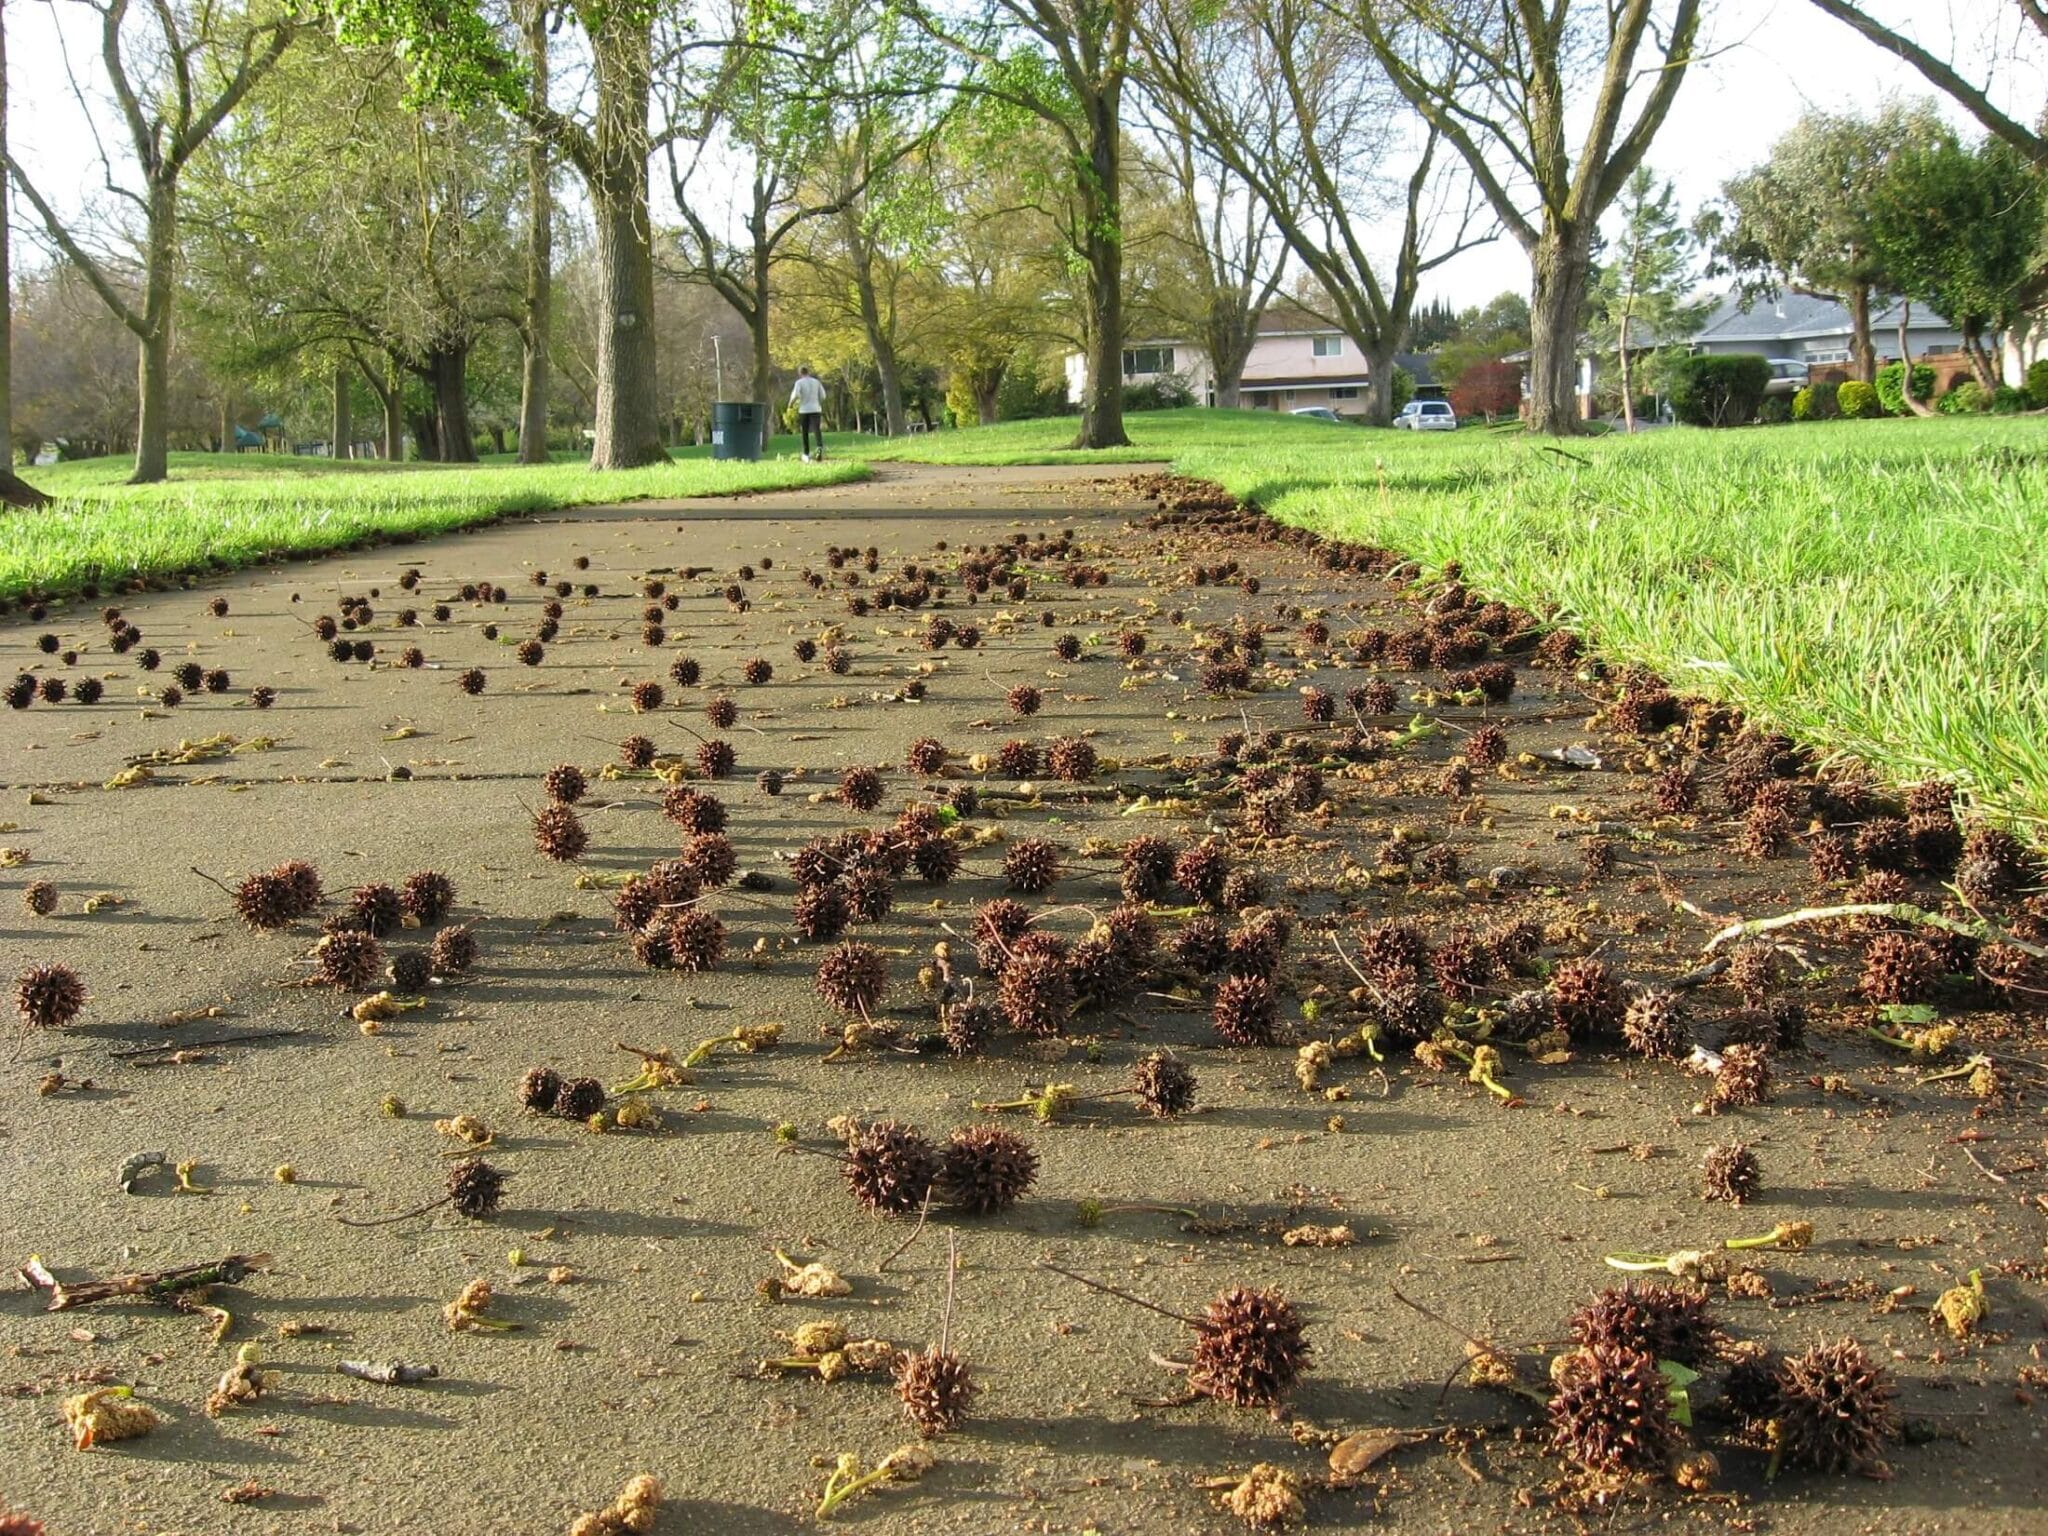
(755, 310)
(153, 365)
(1102, 411)
(448, 375)
(1862, 350)
(881, 341)
(1562, 266)
(14, 490)
(628, 417)
(1379, 382)
(988, 390)
(1917, 407)
(426, 435)
(343, 433)
(536, 316)
(1628, 384)
(1229, 341)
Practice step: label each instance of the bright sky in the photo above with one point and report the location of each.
(1768, 61)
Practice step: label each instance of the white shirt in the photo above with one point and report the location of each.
(808, 396)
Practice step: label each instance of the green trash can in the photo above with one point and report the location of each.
(736, 429)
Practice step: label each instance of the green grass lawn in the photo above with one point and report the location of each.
(237, 509)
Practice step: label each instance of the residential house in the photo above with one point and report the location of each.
(1296, 361)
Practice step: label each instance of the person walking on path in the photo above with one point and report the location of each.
(809, 399)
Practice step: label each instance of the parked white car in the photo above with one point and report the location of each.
(1788, 375)
(1427, 416)
(1318, 413)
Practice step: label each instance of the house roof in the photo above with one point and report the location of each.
(1794, 316)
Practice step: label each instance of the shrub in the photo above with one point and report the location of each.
(1404, 388)
(1858, 401)
(1168, 392)
(2007, 401)
(1489, 389)
(2037, 383)
(1966, 398)
(1817, 402)
(1775, 410)
(1890, 394)
(1715, 390)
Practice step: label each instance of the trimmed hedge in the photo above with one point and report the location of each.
(1858, 401)
(1718, 390)
(2037, 383)
(1817, 402)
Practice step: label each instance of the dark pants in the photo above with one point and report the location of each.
(812, 423)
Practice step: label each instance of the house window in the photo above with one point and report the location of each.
(1829, 355)
(1142, 360)
(1287, 395)
(1343, 392)
(1327, 346)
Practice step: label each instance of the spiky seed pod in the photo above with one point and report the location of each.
(1898, 968)
(1131, 644)
(1678, 790)
(39, 898)
(1744, 1078)
(1097, 967)
(1881, 887)
(53, 689)
(722, 712)
(1753, 971)
(564, 784)
(409, 970)
(757, 670)
(936, 859)
(1884, 843)
(852, 977)
(821, 912)
(890, 1167)
(1656, 1023)
(537, 1089)
(471, 681)
(696, 940)
(349, 959)
(1460, 965)
(985, 1169)
(531, 653)
(1164, 1084)
(998, 925)
(716, 758)
(189, 675)
(935, 1387)
(710, 857)
(1931, 797)
(1202, 945)
(1067, 647)
(48, 996)
(1586, 997)
(1036, 993)
(769, 781)
(651, 947)
(673, 882)
(805, 650)
(90, 689)
(861, 789)
(1242, 889)
(1071, 760)
(1249, 1348)
(1830, 857)
(475, 1188)
(1246, 1011)
(1031, 865)
(1201, 870)
(926, 757)
(412, 658)
(427, 895)
(1666, 1321)
(559, 834)
(918, 820)
(1833, 1411)
(453, 951)
(870, 893)
(578, 1098)
(171, 697)
(1265, 817)
(1994, 865)
(1596, 859)
(1730, 1173)
(969, 1026)
(1255, 947)
(268, 901)
(1612, 1412)
(1317, 706)
(685, 672)
(1392, 953)
(1018, 760)
(838, 661)
(1025, 699)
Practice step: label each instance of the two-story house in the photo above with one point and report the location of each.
(1297, 361)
